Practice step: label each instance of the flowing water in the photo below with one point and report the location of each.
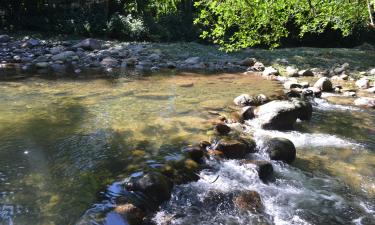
(63, 141)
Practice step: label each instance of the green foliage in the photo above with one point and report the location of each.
(236, 24)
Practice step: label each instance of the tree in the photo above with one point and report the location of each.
(236, 24)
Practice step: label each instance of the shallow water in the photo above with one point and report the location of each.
(64, 141)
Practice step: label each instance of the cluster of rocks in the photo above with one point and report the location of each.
(59, 57)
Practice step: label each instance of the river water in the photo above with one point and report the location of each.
(62, 142)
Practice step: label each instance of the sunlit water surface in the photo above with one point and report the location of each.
(63, 141)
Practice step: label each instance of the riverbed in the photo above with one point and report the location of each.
(64, 141)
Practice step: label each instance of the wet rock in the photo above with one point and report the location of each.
(193, 60)
(291, 71)
(132, 214)
(350, 93)
(306, 73)
(291, 84)
(371, 90)
(307, 93)
(294, 93)
(305, 84)
(343, 77)
(317, 92)
(281, 114)
(154, 57)
(194, 153)
(304, 109)
(222, 129)
(42, 65)
(4, 38)
(109, 62)
(63, 56)
(154, 185)
(372, 72)
(30, 43)
(89, 44)
(130, 62)
(263, 168)
(248, 62)
(365, 102)
(243, 100)
(281, 149)
(247, 113)
(235, 149)
(363, 83)
(258, 66)
(324, 84)
(268, 71)
(248, 201)
(58, 68)
(341, 69)
(171, 65)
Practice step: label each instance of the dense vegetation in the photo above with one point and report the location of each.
(233, 24)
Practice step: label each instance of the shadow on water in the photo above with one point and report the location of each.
(52, 172)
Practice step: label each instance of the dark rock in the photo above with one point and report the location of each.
(30, 43)
(222, 128)
(291, 84)
(247, 113)
(248, 201)
(235, 149)
(324, 84)
(304, 109)
(317, 92)
(63, 56)
(89, 44)
(154, 185)
(306, 73)
(258, 66)
(4, 38)
(248, 62)
(194, 153)
(263, 168)
(132, 214)
(281, 149)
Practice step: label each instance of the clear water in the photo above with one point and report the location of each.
(63, 141)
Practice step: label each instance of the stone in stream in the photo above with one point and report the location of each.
(281, 114)
(235, 149)
(248, 62)
(263, 168)
(316, 91)
(194, 153)
(247, 100)
(280, 149)
(365, 102)
(153, 185)
(258, 66)
(291, 84)
(89, 44)
(363, 83)
(291, 71)
(222, 129)
(63, 56)
(248, 201)
(4, 38)
(247, 113)
(193, 60)
(268, 71)
(131, 213)
(306, 73)
(324, 84)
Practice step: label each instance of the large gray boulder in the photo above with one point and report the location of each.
(324, 84)
(282, 114)
(281, 149)
(89, 44)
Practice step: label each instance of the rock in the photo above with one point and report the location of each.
(154, 57)
(282, 115)
(63, 56)
(222, 129)
(281, 149)
(248, 201)
(154, 185)
(235, 149)
(291, 71)
(42, 65)
(365, 102)
(372, 72)
(260, 99)
(89, 44)
(371, 90)
(317, 92)
(171, 65)
(350, 93)
(109, 62)
(243, 100)
(344, 77)
(305, 84)
(362, 83)
(268, 71)
(193, 60)
(263, 168)
(258, 66)
(4, 38)
(247, 113)
(306, 73)
(30, 43)
(290, 84)
(132, 214)
(130, 62)
(56, 50)
(194, 153)
(324, 84)
(248, 62)
(58, 68)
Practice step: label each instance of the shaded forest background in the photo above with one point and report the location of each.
(139, 20)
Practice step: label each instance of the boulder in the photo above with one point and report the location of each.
(263, 168)
(194, 153)
(4, 38)
(248, 201)
(291, 84)
(248, 62)
(268, 71)
(193, 60)
(243, 100)
(129, 62)
(291, 71)
(306, 73)
(235, 149)
(258, 66)
(153, 185)
(363, 83)
(281, 149)
(365, 102)
(42, 65)
(222, 129)
(63, 56)
(282, 114)
(30, 43)
(324, 84)
(89, 44)
(132, 214)
(154, 57)
(247, 113)
(316, 91)
(371, 90)
(372, 72)
(109, 62)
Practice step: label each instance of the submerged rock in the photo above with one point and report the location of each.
(263, 168)
(280, 149)
(281, 114)
(131, 214)
(222, 128)
(235, 149)
(194, 153)
(248, 201)
(324, 84)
